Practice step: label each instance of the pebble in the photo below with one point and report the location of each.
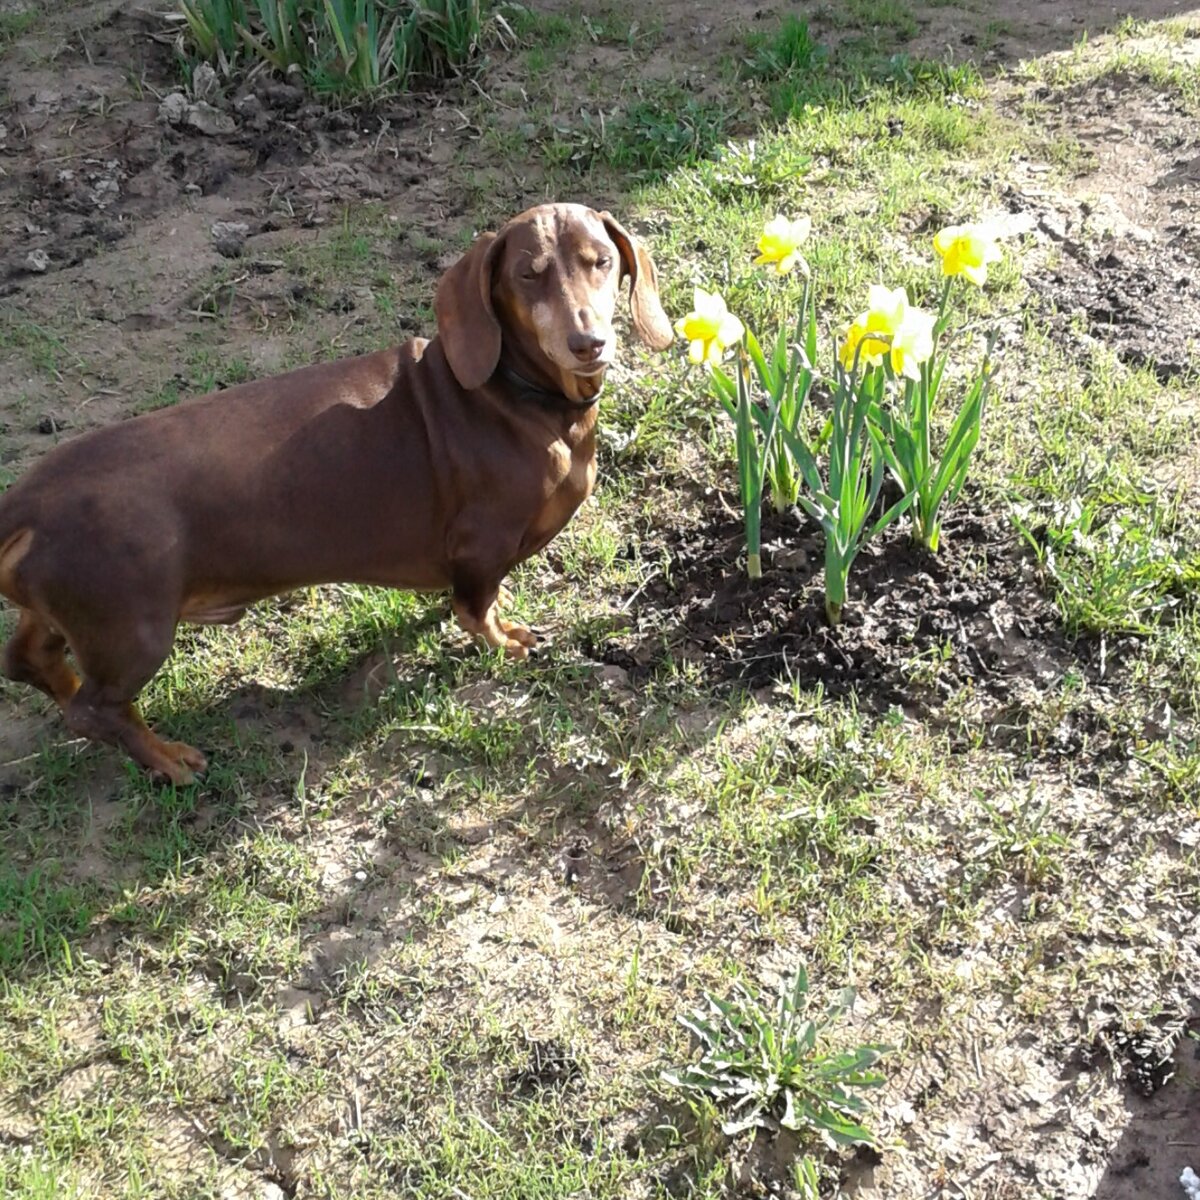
(173, 108)
(176, 110)
(205, 84)
(37, 262)
(210, 121)
(229, 237)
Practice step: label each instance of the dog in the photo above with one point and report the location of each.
(439, 464)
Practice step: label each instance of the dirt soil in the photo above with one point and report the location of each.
(976, 613)
(110, 278)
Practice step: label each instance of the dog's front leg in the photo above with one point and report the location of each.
(476, 605)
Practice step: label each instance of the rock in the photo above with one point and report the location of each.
(206, 87)
(282, 96)
(173, 108)
(48, 425)
(211, 122)
(229, 237)
(105, 190)
(612, 677)
(37, 262)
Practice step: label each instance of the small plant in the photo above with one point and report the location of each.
(908, 425)
(213, 27)
(362, 46)
(283, 42)
(356, 46)
(843, 502)
(768, 1066)
(790, 50)
(1113, 571)
(1017, 837)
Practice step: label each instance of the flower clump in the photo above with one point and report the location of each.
(907, 340)
(882, 403)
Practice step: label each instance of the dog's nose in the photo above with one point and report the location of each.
(586, 347)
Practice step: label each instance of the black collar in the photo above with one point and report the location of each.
(541, 395)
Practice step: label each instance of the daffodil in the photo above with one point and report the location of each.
(710, 328)
(912, 343)
(967, 250)
(885, 313)
(908, 332)
(779, 246)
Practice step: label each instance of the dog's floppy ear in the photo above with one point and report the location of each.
(650, 323)
(466, 318)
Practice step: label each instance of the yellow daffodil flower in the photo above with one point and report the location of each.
(710, 328)
(967, 250)
(779, 246)
(909, 332)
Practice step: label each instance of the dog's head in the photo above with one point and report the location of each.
(543, 292)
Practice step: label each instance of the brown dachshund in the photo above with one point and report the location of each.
(438, 465)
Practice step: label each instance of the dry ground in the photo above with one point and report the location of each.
(426, 928)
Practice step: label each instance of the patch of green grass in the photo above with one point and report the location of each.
(605, 23)
(46, 351)
(14, 22)
(524, 1153)
(40, 916)
(1139, 54)
(1115, 568)
(548, 30)
(661, 129)
(1118, 551)
(799, 74)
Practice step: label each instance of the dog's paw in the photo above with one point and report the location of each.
(519, 634)
(180, 763)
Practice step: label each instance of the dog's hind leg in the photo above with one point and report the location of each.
(115, 668)
(36, 654)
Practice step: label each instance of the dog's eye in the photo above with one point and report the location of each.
(529, 275)
(603, 263)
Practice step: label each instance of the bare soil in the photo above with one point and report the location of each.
(976, 613)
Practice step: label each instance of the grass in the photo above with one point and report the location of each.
(14, 23)
(1145, 51)
(891, 17)
(429, 925)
